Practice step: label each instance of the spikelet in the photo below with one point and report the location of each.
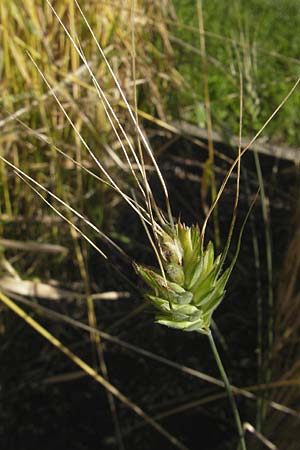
(192, 286)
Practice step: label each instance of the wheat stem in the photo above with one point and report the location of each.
(229, 391)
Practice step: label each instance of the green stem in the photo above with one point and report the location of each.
(229, 391)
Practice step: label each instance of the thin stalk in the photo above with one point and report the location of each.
(211, 157)
(246, 392)
(259, 308)
(88, 369)
(269, 259)
(229, 392)
(237, 192)
(131, 113)
(97, 346)
(236, 161)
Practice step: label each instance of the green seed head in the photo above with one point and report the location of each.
(191, 287)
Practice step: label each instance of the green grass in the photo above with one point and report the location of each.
(258, 37)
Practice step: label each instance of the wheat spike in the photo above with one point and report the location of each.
(193, 285)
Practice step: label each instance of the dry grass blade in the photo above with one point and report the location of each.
(245, 392)
(79, 73)
(89, 370)
(36, 289)
(27, 179)
(141, 134)
(288, 95)
(84, 143)
(27, 246)
(103, 98)
(213, 398)
(96, 343)
(276, 151)
(285, 351)
(46, 291)
(209, 172)
(267, 443)
(79, 165)
(17, 172)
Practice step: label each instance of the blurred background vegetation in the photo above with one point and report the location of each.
(46, 401)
